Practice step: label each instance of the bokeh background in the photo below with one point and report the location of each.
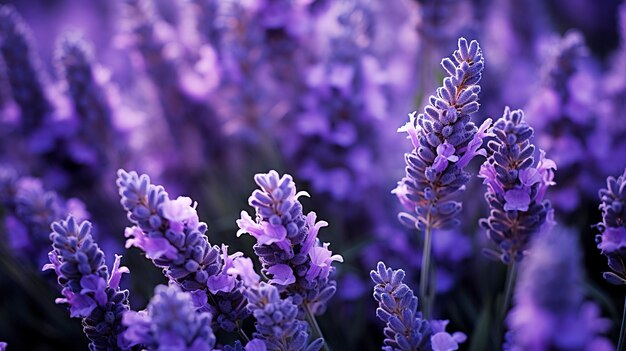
(201, 95)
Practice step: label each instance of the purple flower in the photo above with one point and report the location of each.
(23, 70)
(277, 324)
(321, 262)
(90, 291)
(170, 323)
(405, 328)
(612, 237)
(444, 141)
(549, 309)
(298, 262)
(170, 234)
(516, 186)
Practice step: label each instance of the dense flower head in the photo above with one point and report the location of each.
(444, 141)
(612, 237)
(170, 323)
(91, 292)
(550, 312)
(171, 235)
(287, 242)
(405, 328)
(516, 186)
(23, 69)
(277, 324)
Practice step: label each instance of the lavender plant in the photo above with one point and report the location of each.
(516, 187)
(23, 70)
(550, 311)
(288, 246)
(405, 328)
(98, 144)
(563, 111)
(277, 324)
(612, 237)
(287, 243)
(91, 292)
(170, 322)
(28, 210)
(170, 234)
(444, 141)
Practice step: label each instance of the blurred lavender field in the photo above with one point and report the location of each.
(257, 171)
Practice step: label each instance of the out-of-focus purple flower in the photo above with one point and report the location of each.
(30, 210)
(333, 139)
(296, 260)
(405, 327)
(564, 112)
(170, 322)
(170, 234)
(90, 291)
(612, 237)
(550, 311)
(516, 185)
(23, 70)
(93, 110)
(444, 141)
(3, 346)
(277, 325)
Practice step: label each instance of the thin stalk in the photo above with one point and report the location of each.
(242, 333)
(622, 331)
(317, 332)
(425, 292)
(511, 275)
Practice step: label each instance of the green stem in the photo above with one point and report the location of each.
(425, 292)
(317, 332)
(622, 331)
(511, 274)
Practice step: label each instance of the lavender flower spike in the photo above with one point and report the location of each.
(170, 234)
(170, 323)
(516, 186)
(444, 141)
(550, 311)
(405, 328)
(23, 68)
(612, 237)
(287, 243)
(277, 324)
(91, 292)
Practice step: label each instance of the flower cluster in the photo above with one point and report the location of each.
(343, 85)
(516, 186)
(405, 328)
(287, 243)
(276, 324)
(170, 234)
(23, 70)
(563, 110)
(97, 143)
(444, 141)
(29, 210)
(91, 292)
(550, 312)
(189, 118)
(612, 240)
(170, 323)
